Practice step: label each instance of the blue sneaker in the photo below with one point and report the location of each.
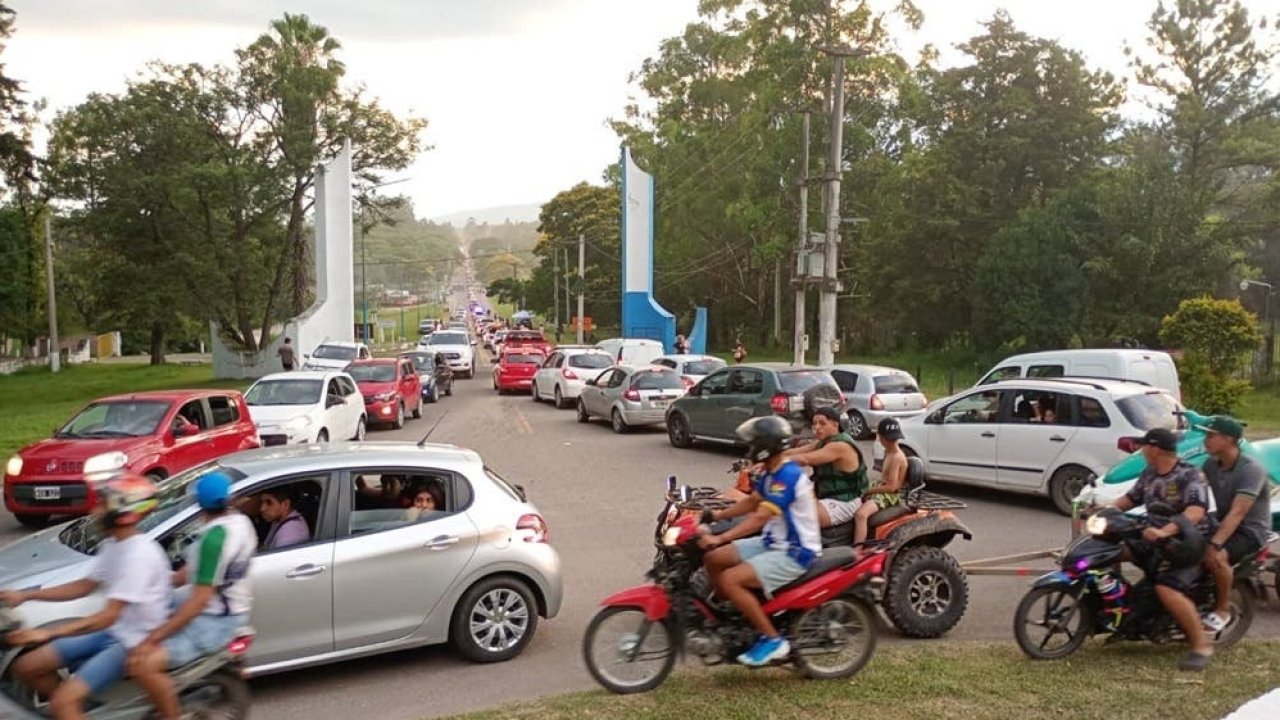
(765, 651)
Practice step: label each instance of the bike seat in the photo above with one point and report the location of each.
(831, 559)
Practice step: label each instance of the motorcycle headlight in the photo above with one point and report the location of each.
(105, 463)
(14, 466)
(670, 537)
(1096, 525)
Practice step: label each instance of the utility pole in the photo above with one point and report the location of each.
(802, 277)
(555, 275)
(835, 165)
(568, 306)
(582, 283)
(55, 353)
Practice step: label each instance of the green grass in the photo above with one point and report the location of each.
(34, 402)
(406, 322)
(933, 681)
(1260, 408)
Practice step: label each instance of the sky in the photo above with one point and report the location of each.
(517, 92)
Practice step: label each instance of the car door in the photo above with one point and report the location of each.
(702, 406)
(1035, 427)
(336, 411)
(354, 400)
(741, 401)
(848, 382)
(962, 438)
(391, 572)
(594, 395)
(542, 379)
(193, 449)
(612, 391)
(410, 385)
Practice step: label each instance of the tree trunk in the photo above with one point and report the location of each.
(298, 250)
(157, 344)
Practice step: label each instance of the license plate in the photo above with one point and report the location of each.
(48, 493)
(659, 403)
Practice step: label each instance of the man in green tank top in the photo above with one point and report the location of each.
(839, 474)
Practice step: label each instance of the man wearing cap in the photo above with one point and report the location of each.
(1239, 487)
(1170, 482)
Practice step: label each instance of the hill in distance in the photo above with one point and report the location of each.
(493, 215)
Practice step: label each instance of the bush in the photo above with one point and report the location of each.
(1215, 336)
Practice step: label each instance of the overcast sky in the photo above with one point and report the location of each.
(517, 92)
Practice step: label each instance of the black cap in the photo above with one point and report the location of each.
(889, 428)
(1162, 438)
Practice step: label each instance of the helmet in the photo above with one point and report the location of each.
(127, 498)
(1187, 548)
(213, 490)
(765, 436)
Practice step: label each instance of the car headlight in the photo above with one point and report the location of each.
(299, 423)
(1096, 525)
(105, 463)
(14, 466)
(385, 397)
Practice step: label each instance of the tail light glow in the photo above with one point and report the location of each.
(240, 644)
(632, 395)
(568, 374)
(780, 403)
(535, 527)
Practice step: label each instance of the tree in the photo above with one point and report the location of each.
(20, 258)
(594, 212)
(1214, 336)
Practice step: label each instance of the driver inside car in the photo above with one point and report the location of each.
(784, 506)
(1171, 485)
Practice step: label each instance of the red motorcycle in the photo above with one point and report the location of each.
(632, 644)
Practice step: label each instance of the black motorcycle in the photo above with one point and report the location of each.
(1090, 595)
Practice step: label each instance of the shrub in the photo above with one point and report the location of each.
(1215, 336)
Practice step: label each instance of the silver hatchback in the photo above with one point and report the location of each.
(376, 571)
(873, 393)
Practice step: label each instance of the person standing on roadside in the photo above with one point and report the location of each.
(739, 352)
(288, 357)
(682, 345)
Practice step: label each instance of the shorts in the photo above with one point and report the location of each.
(97, 659)
(840, 511)
(886, 500)
(1240, 546)
(774, 568)
(1181, 579)
(204, 635)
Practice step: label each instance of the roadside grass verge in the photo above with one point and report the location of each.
(974, 681)
(34, 401)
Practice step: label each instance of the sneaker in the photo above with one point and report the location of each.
(765, 651)
(1214, 623)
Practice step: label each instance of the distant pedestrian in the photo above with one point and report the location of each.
(682, 345)
(739, 352)
(287, 355)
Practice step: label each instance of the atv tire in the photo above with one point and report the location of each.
(927, 592)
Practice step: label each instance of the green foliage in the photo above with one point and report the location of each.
(1215, 336)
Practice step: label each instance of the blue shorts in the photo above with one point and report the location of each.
(97, 659)
(204, 635)
(774, 568)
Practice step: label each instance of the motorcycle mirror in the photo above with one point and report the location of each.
(684, 493)
(671, 484)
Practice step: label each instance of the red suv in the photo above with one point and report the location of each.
(516, 368)
(152, 433)
(391, 389)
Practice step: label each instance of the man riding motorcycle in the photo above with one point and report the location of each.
(839, 474)
(133, 570)
(1177, 488)
(214, 603)
(784, 506)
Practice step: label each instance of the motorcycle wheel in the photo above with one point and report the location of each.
(1242, 611)
(1052, 610)
(614, 633)
(833, 640)
(221, 695)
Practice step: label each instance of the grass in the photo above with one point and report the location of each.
(33, 402)
(1260, 408)
(931, 681)
(406, 323)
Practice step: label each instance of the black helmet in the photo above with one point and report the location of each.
(1187, 548)
(765, 436)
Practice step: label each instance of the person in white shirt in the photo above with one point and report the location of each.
(133, 572)
(215, 602)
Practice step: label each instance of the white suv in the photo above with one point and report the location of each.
(1046, 437)
(458, 350)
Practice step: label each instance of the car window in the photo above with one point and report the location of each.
(286, 513)
(1035, 406)
(713, 384)
(745, 382)
(895, 384)
(381, 372)
(364, 353)
(447, 338)
(1046, 371)
(334, 388)
(616, 379)
(706, 366)
(334, 352)
(553, 360)
(981, 407)
(193, 411)
(129, 418)
(225, 410)
(797, 382)
(1092, 414)
(1008, 372)
(286, 391)
(522, 358)
(665, 362)
(348, 387)
(847, 381)
(656, 380)
(387, 499)
(590, 361)
(1150, 410)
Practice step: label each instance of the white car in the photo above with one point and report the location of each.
(335, 355)
(458, 349)
(305, 407)
(1047, 437)
(692, 368)
(565, 372)
(628, 397)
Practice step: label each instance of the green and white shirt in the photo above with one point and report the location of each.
(221, 558)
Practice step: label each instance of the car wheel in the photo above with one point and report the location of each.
(560, 403)
(858, 426)
(495, 620)
(32, 521)
(618, 422)
(434, 396)
(322, 436)
(362, 428)
(678, 431)
(399, 421)
(533, 391)
(583, 415)
(417, 410)
(448, 389)
(1066, 484)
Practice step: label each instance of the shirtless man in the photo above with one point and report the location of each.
(886, 494)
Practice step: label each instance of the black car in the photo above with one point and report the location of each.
(433, 371)
(714, 408)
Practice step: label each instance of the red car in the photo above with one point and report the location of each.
(391, 389)
(526, 339)
(516, 367)
(152, 433)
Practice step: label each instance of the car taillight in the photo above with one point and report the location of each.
(536, 528)
(1127, 445)
(632, 395)
(568, 374)
(875, 403)
(686, 381)
(780, 403)
(240, 644)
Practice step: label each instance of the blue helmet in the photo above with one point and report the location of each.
(213, 490)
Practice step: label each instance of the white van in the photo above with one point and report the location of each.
(632, 351)
(1152, 367)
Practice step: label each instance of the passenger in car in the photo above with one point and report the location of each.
(428, 499)
(288, 527)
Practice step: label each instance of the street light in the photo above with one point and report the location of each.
(364, 261)
(1269, 318)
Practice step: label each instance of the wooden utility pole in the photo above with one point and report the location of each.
(55, 353)
(835, 166)
(582, 283)
(802, 251)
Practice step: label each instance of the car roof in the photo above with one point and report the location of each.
(1082, 351)
(165, 395)
(301, 375)
(869, 369)
(779, 367)
(304, 458)
(1076, 384)
(687, 356)
(341, 343)
(376, 361)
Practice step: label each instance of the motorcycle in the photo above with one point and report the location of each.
(1090, 595)
(631, 645)
(208, 687)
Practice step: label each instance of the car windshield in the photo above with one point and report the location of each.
(895, 385)
(1150, 410)
(447, 338)
(703, 367)
(124, 418)
(422, 361)
(334, 352)
(797, 381)
(172, 495)
(592, 361)
(524, 359)
(284, 392)
(656, 380)
(380, 372)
